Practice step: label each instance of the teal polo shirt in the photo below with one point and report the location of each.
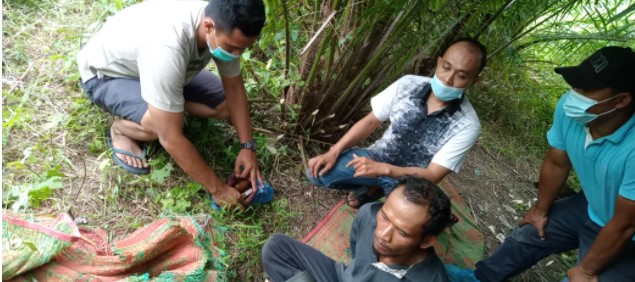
(605, 166)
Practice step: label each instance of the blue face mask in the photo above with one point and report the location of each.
(220, 53)
(576, 106)
(443, 92)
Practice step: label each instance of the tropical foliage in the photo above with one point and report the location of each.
(347, 51)
(311, 75)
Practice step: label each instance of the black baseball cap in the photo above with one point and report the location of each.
(610, 67)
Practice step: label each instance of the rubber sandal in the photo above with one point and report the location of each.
(121, 163)
(264, 194)
(364, 198)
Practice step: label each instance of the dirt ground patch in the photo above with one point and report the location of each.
(498, 191)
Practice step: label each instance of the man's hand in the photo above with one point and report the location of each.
(228, 197)
(247, 167)
(367, 167)
(321, 164)
(577, 274)
(537, 218)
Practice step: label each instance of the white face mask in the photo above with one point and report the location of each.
(443, 92)
(576, 106)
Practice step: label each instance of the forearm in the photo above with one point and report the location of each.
(238, 107)
(553, 174)
(431, 174)
(612, 238)
(188, 158)
(360, 131)
(606, 246)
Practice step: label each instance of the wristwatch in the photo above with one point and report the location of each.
(249, 145)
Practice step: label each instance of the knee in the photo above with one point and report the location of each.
(310, 178)
(524, 234)
(274, 241)
(268, 250)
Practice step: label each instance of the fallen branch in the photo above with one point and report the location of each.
(317, 34)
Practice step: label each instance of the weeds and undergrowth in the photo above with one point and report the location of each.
(55, 157)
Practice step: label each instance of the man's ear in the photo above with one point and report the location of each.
(427, 242)
(208, 23)
(624, 100)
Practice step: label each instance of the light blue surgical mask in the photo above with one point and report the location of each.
(220, 53)
(576, 106)
(443, 92)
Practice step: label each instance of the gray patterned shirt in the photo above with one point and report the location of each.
(416, 138)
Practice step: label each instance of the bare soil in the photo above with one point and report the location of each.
(493, 187)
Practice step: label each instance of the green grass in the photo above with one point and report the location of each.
(55, 158)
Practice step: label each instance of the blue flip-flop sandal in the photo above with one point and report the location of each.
(121, 163)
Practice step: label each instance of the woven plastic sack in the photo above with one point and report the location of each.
(29, 242)
(174, 248)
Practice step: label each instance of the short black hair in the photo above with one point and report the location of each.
(423, 192)
(474, 43)
(246, 15)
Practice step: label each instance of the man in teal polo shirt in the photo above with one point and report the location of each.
(594, 132)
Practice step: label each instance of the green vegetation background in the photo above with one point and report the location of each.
(55, 158)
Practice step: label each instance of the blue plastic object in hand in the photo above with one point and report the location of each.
(264, 194)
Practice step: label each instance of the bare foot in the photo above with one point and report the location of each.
(122, 142)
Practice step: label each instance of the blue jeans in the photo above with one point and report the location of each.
(341, 177)
(569, 227)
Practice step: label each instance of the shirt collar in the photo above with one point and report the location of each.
(621, 133)
(419, 270)
(616, 137)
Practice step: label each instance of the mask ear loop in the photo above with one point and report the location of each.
(215, 38)
(207, 36)
(605, 100)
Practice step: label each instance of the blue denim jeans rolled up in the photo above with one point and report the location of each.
(341, 177)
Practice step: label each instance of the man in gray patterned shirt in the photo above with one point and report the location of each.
(432, 128)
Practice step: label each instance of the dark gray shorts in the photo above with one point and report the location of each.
(122, 96)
